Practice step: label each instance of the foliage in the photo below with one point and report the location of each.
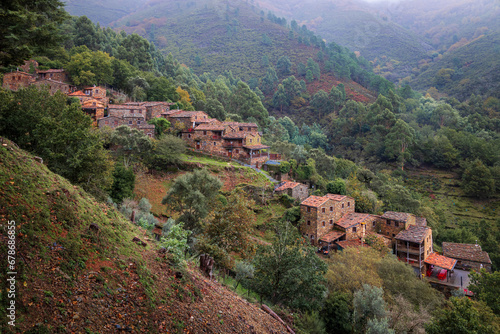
(336, 187)
(161, 126)
(123, 183)
(486, 288)
(60, 133)
(229, 230)
(166, 152)
(337, 313)
(288, 272)
(191, 195)
(244, 272)
(29, 28)
(369, 305)
(131, 144)
(464, 316)
(477, 180)
(175, 242)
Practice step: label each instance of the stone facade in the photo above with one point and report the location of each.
(94, 108)
(29, 66)
(414, 245)
(296, 190)
(320, 213)
(53, 74)
(17, 80)
(54, 86)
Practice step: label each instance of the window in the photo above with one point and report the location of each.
(138, 122)
(204, 133)
(348, 203)
(97, 91)
(308, 209)
(331, 209)
(129, 122)
(189, 135)
(396, 224)
(312, 237)
(342, 205)
(215, 143)
(250, 140)
(354, 229)
(393, 235)
(308, 222)
(331, 221)
(140, 111)
(237, 151)
(388, 222)
(323, 210)
(373, 224)
(323, 223)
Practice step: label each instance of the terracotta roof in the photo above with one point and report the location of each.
(19, 72)
(413, 234)
(256, 147)
(352, 219)
(399, 216)
(351, 243)
(212, 126)
(332, 236)
(441, 261)
(77, 93)
(90, 104)
(314, 201)
(470, 252)
(337, 197)
(286, 185)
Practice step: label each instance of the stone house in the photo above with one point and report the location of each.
(133, 121)
(187, 120)
(53, 74)
(468, 256)
(125, 110)
(392, 223)
(54, 86)
(296, 190)
(17, 80)
(414, 245)
(355, 225)
(94, 108)
(154, 109)
(319, 213)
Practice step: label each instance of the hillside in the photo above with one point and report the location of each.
(100, 11)
(71, 279)
(474, 69)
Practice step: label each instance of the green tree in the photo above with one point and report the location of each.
(463, 316)
(284, 66)
(369, 305)
(191, 195)
(136, 50)
(269, 81)
(230, 230)
(215, 109)
(166, 151)
(336, 187)
(28, 28)
(486, 287)
(123, 183)
(398, 142)
(161, 126)
(176, 242)
(337, 313)
(477, 180)
(131, 144)
(60, 133)
(321, 103)
(90, 67)
(280, 98)
(289, 272)
(246, 103)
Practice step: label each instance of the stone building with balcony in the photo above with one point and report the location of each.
(413, 246)
(53, 74)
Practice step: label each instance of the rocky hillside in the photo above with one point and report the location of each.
(73, 276)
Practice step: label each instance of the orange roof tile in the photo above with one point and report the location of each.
(314, 201)
(77, 93)
(441, 261)
(286, 185)
(337, 197)
(213, 126)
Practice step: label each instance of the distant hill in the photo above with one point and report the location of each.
(102, 11)
(473, 68)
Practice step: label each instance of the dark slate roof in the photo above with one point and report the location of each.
(413, 234)
(286, 185)
(399, 216)
(332, 236)
(470, 252)
(314, 201)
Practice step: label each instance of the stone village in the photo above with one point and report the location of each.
(328, 222)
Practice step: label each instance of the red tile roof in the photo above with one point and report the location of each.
(332, 236)
(441, 261)
(286, 185)
(77, 93)
(314, 201)
(414, 233)
(352, 219)
(421, 221)
(470, 252)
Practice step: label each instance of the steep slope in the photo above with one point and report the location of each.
(474, 68)
(72, 278)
